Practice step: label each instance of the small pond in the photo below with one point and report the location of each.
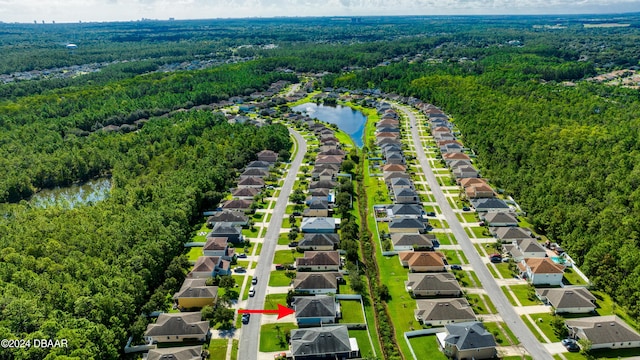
(348, 120)
(74, 195)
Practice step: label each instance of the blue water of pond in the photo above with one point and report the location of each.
(348, 120)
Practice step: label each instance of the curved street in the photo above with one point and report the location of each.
(250, 333)
(506, 310)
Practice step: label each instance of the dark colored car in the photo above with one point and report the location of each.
(572, 346)
(242, 256)
(496, 259)
(254, 280)
(465, 208)
(456, 267)
(245, 318)
(293, 244)
(431, 213)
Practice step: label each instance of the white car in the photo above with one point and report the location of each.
(252, 291)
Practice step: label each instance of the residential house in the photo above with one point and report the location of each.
(319, 242)
(176, 353)
(388, 176)
(394, 168)
(194, 293)
(405, 210)
(438, 312)
(510, 233)
(387, 129)
(395, 158)
(254, 172)
(316, 282)
(241, 205)
(251, 182)
(468, 181)
(268, 156)
(434, 284)
(405, 196)
(541, 271)
(479, 191)
(210, 266)
(444, 136)
(233, 218)
(451, 148)
(499, 219)
(319, 261)
(338, 152)
(398, 183)
(527, 248)
(318, 225)
(422, 261)
(317, 206)
(331, 342)
(449, 157)
(490, 205)
(218, 246)
(329, 159)
(224, 229)
(465, 172)
(245, 193)
(468, 340)
(322, 184)
(178, 327)
(457, 163)
(604, 332)
(382, 141)
(406, 225)
(320, 192)
(410, 242)
(575, 300)
(316, 310)
(259, 165)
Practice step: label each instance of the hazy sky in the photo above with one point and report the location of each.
(109, 10)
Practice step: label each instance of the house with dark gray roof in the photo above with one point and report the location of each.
(316, 282)
(317, 206)
(251, 182)
(499, 219)
(245, 193)
(323, 184)
(405, 210)
(398, 183)
(406, 225)
(319, 242)
(409, 241)
(234, 218)
(468, 340)
(176, 353)
(511, 234)
(395, 157)
(178, 327)
(490, 205)
(259, 165)
(465, 171)
(254, 172)
(438, 312)
(319, 261)
(194, 293)
(576, 300)
(405, 196)
(331, 342)
(316, 310)
(224, 229)
(434, 284)
(604, 332)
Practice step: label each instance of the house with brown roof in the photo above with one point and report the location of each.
(455, 156)
(245, 193)
(329, 159)
(604, 332)
(338, 152)
(394, 168)
(316, 282)
(254, 172)
(433, 284)
(499, 219)
(575, 300)
(210, 266)
(178, 327)
(176, 353)
(241, 205)
(439, 312)
(268, 156)
(194, 293)
(319, 261)
(233, 218)
(541, 271)
(218, 246)
(422, 261)
(392, 135)
(252, 182)
(319, 242)
(471, 181)
(510, 233)
(479, 191)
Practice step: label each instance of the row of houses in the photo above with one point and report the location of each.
(536, 262)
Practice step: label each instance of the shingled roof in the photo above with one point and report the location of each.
(444, 310)
(176, 324)
(603, 329)
(314, 306)
(320, 341)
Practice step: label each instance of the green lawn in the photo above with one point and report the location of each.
(572, 278)
(470, 217)
(477, 304)
(286, 256)
(273, 336)
(351, 312)
(523, 293)
(455, 257)
(218, 349)
(534, 331)
(194, 253)
(444, 238)
(257, 217)
(492, 271)
(401, 305)
(234, 349)
(245, 264)
(364, 343)
(426, 347)
(507, 293)
(201, 234)
(503, 269)
(543, 321)
(245, 294)
(475, 278)
(283, 239)
(479, 231)
(501, 337)
(279, 278)
(251, 233)
(272, 300)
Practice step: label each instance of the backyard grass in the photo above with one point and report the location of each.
(572, 278)
(366, 352)
(279, 278)
(273, 336)
(251, 233)
(194, 253)
(426, 347)
(286, 256)
(271, 301)
(218, 349)
(525, 295)
(351, 312)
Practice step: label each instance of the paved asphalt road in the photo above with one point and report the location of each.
(250, 333)
(506, 310)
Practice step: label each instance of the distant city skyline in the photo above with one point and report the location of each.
(65, 11)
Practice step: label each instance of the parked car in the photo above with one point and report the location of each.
(456, 267)
(254, 280)
(293, 244)
(496, 259)
(465, 208)
(431, 213)
(242, 256)
(572, 345)
(252, 291)
(297, 213)
(245, 318)
(239, 269)
(279, 267)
